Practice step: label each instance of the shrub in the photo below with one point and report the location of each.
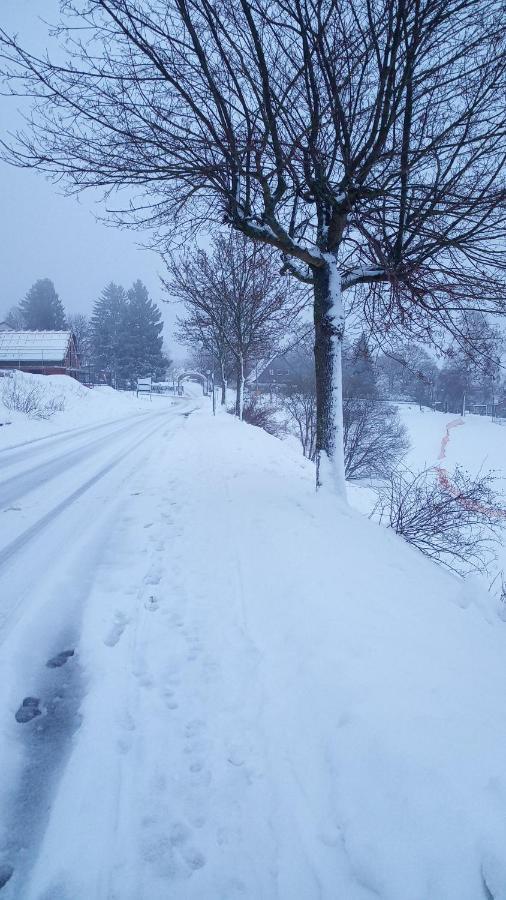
(300, 404)
(20, 394)
(264, 415)
(455, 520)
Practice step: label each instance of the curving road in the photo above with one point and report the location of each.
(59, 496)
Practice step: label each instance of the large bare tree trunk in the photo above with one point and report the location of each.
(329, 332)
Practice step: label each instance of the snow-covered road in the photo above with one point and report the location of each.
(57, 494)
(62, 499)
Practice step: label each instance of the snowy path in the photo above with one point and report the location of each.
(270, 699)
(60, 501)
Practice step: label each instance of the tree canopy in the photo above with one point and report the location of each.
(42, 308)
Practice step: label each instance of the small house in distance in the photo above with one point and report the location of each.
(39, 352)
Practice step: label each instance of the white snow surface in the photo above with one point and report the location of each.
(82, 406)
(271, 698)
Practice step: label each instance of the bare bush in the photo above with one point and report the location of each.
(24, 396)
(300, 404)
(263, 415)
(374, 439)
(497, 588)
(455, 520)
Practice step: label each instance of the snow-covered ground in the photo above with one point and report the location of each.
(476, 444)
(271, 698)
(80, 406)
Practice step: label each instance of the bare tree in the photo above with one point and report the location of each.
(300, 404)
(80, 326)
(299, 398)
(374, 438)
(205, 354)
(207, 345)
(235, 302)
(362, 140)
(459, 527)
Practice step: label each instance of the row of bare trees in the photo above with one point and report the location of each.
(237, 308)
(364, 141)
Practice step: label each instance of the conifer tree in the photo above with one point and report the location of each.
(359, 376)
(108, 329)
(42, 309)
(143, 353)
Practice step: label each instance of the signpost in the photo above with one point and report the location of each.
(144, 386)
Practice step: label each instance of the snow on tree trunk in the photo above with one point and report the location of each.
(329, 332)
(223, 385)
(240, 387)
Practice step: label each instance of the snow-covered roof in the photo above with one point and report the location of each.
(34, 346)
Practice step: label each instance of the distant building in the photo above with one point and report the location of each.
(277, 372)
(39, 352)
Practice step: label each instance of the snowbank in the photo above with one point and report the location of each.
(283, 700)
(66, 403)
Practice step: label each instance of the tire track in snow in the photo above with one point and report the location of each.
(27, 448)
(47, 741)
(20, 542)
(18, 486)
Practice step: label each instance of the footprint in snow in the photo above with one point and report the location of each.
(153, 578)
(28, 710)
(6, 873)
(195, 727)
(193, 858)
(151, 603)
(179, 836)
(60, 659)
(116, 630)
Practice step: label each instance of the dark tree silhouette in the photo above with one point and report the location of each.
(108, 332)
(42, 308)
(143, 341)
(364, 141)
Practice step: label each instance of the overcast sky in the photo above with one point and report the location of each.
(46, 235)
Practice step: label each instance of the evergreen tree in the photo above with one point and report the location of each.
(108, 331)
(42, 309)
(15, 319)
(359, 376)
(143, 338)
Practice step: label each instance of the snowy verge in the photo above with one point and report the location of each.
(283, 701)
